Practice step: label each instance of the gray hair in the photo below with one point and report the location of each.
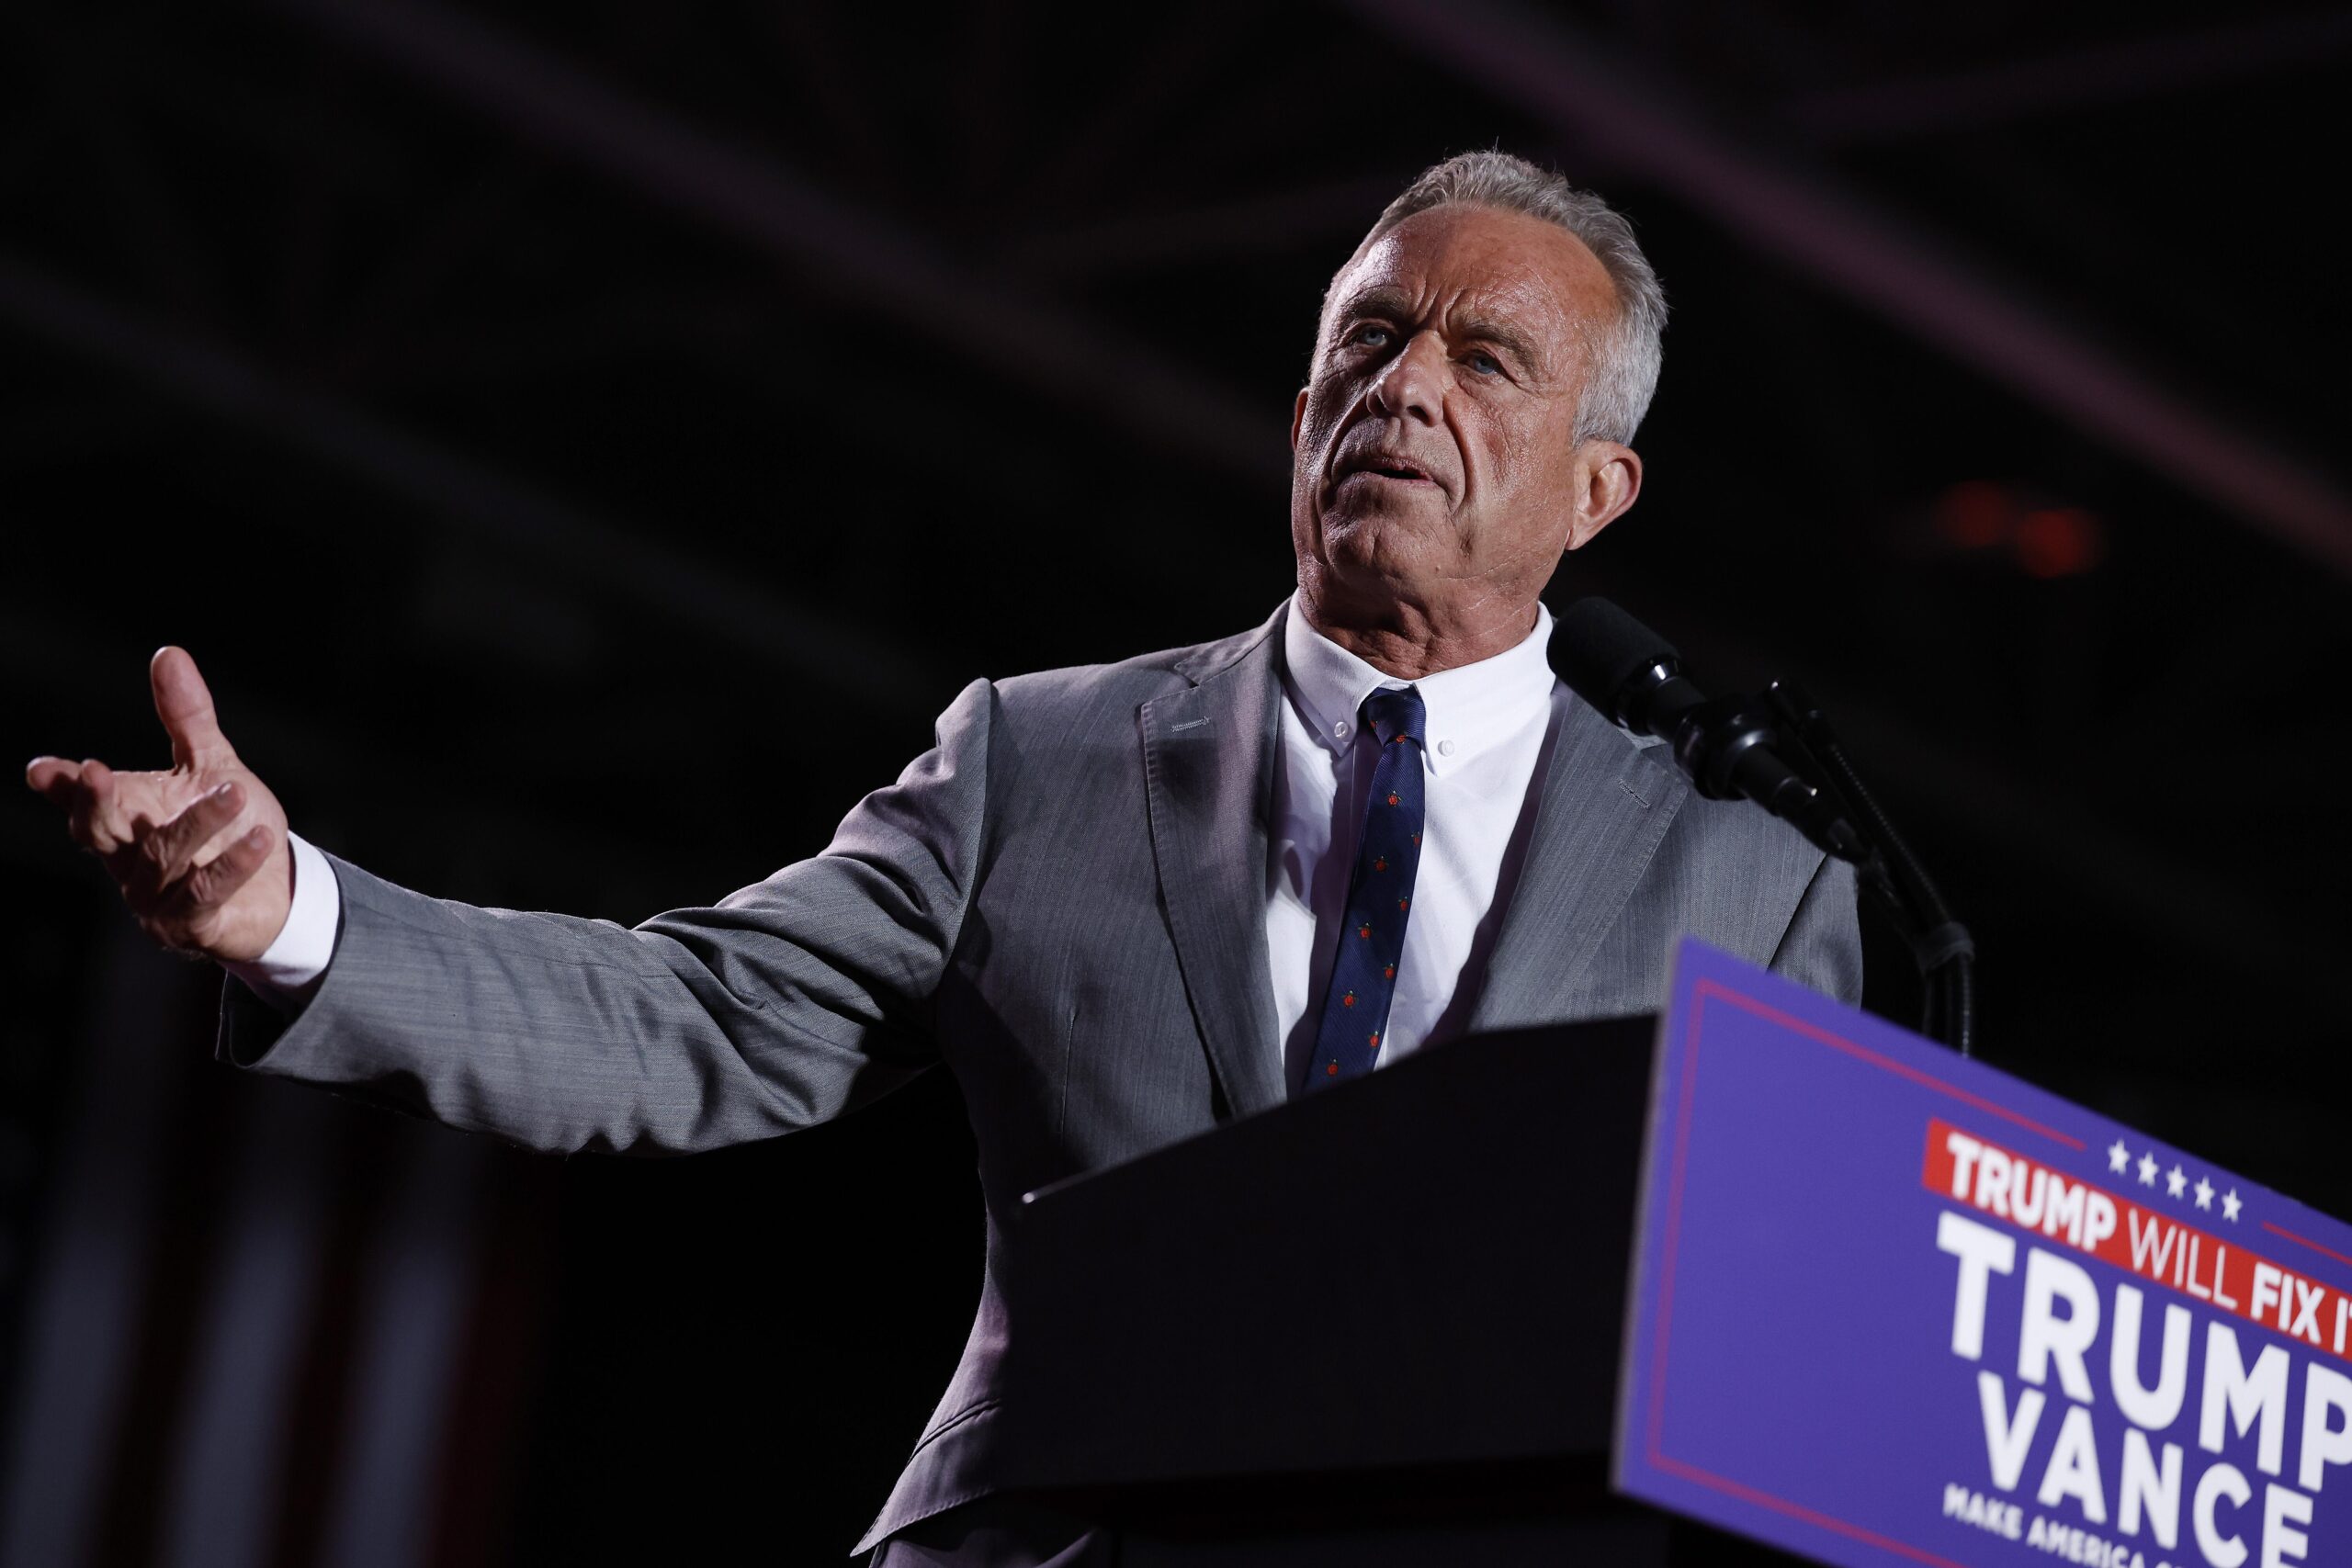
(1625, 365)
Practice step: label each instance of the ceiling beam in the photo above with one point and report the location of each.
(470, 497)
(758, 200)
(1810, 223)
(2068, 82)
(1244, 226)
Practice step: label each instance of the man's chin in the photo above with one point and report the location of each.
(1364, 546)
(1387, 509)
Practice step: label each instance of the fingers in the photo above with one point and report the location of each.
(169, 847)
(86, 792)
(44, 774)
(60, 780)
(211, 885)
(185, 705)
(62, 785)
(96, 812)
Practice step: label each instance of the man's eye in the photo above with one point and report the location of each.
(1370, 335)
(1485, 363)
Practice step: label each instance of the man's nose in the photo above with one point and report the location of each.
(1412, 386)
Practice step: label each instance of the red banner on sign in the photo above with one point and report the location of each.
(1999, 1182)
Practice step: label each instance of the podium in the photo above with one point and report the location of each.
(1380, 1324)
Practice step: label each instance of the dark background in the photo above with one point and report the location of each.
(583, 449)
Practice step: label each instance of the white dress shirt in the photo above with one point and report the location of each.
(293, 962)
(1489, 726)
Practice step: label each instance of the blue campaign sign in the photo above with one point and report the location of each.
(1890, 1306)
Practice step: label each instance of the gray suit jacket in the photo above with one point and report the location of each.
(1064, 902)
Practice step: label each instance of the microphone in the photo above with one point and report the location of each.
(1727, 745)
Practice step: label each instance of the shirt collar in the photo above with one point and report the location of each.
(1468, 708)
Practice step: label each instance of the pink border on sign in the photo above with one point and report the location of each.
(1659, 1457)
(2305, 1241)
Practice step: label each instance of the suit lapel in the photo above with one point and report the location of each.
(1606, 804)
(1208, 769)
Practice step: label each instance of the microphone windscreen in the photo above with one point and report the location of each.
(1598, 649)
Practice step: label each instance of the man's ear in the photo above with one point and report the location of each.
(1610, 478)
(1297, 417)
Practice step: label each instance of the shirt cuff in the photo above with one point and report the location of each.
(290, 970)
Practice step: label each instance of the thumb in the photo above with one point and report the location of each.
(186, 708)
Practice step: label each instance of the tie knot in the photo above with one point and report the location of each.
(1394, 713)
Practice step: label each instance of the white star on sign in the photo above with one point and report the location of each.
(2118, 1157)
(2176, 1183)
(2204, 1193)
(2147, 1170)
(2230, 1205)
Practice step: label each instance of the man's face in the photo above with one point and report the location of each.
(1436, 460)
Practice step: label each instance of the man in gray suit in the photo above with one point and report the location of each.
(1124, 904)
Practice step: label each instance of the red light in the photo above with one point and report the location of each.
(2058, 541)
(1976, 515)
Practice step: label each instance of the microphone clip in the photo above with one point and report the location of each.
(1732, 749)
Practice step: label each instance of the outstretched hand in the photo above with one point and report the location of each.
(200, 849)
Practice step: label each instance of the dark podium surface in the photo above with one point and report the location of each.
(1380, 1324)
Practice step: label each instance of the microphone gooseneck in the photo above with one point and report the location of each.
(1729, 746)
(1780, 752)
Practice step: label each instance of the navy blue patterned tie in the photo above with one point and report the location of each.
(1380, 896)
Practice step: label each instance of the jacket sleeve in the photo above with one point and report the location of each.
(784, 1004)
(1823, 945)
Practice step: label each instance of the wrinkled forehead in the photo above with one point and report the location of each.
(1482, 260)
